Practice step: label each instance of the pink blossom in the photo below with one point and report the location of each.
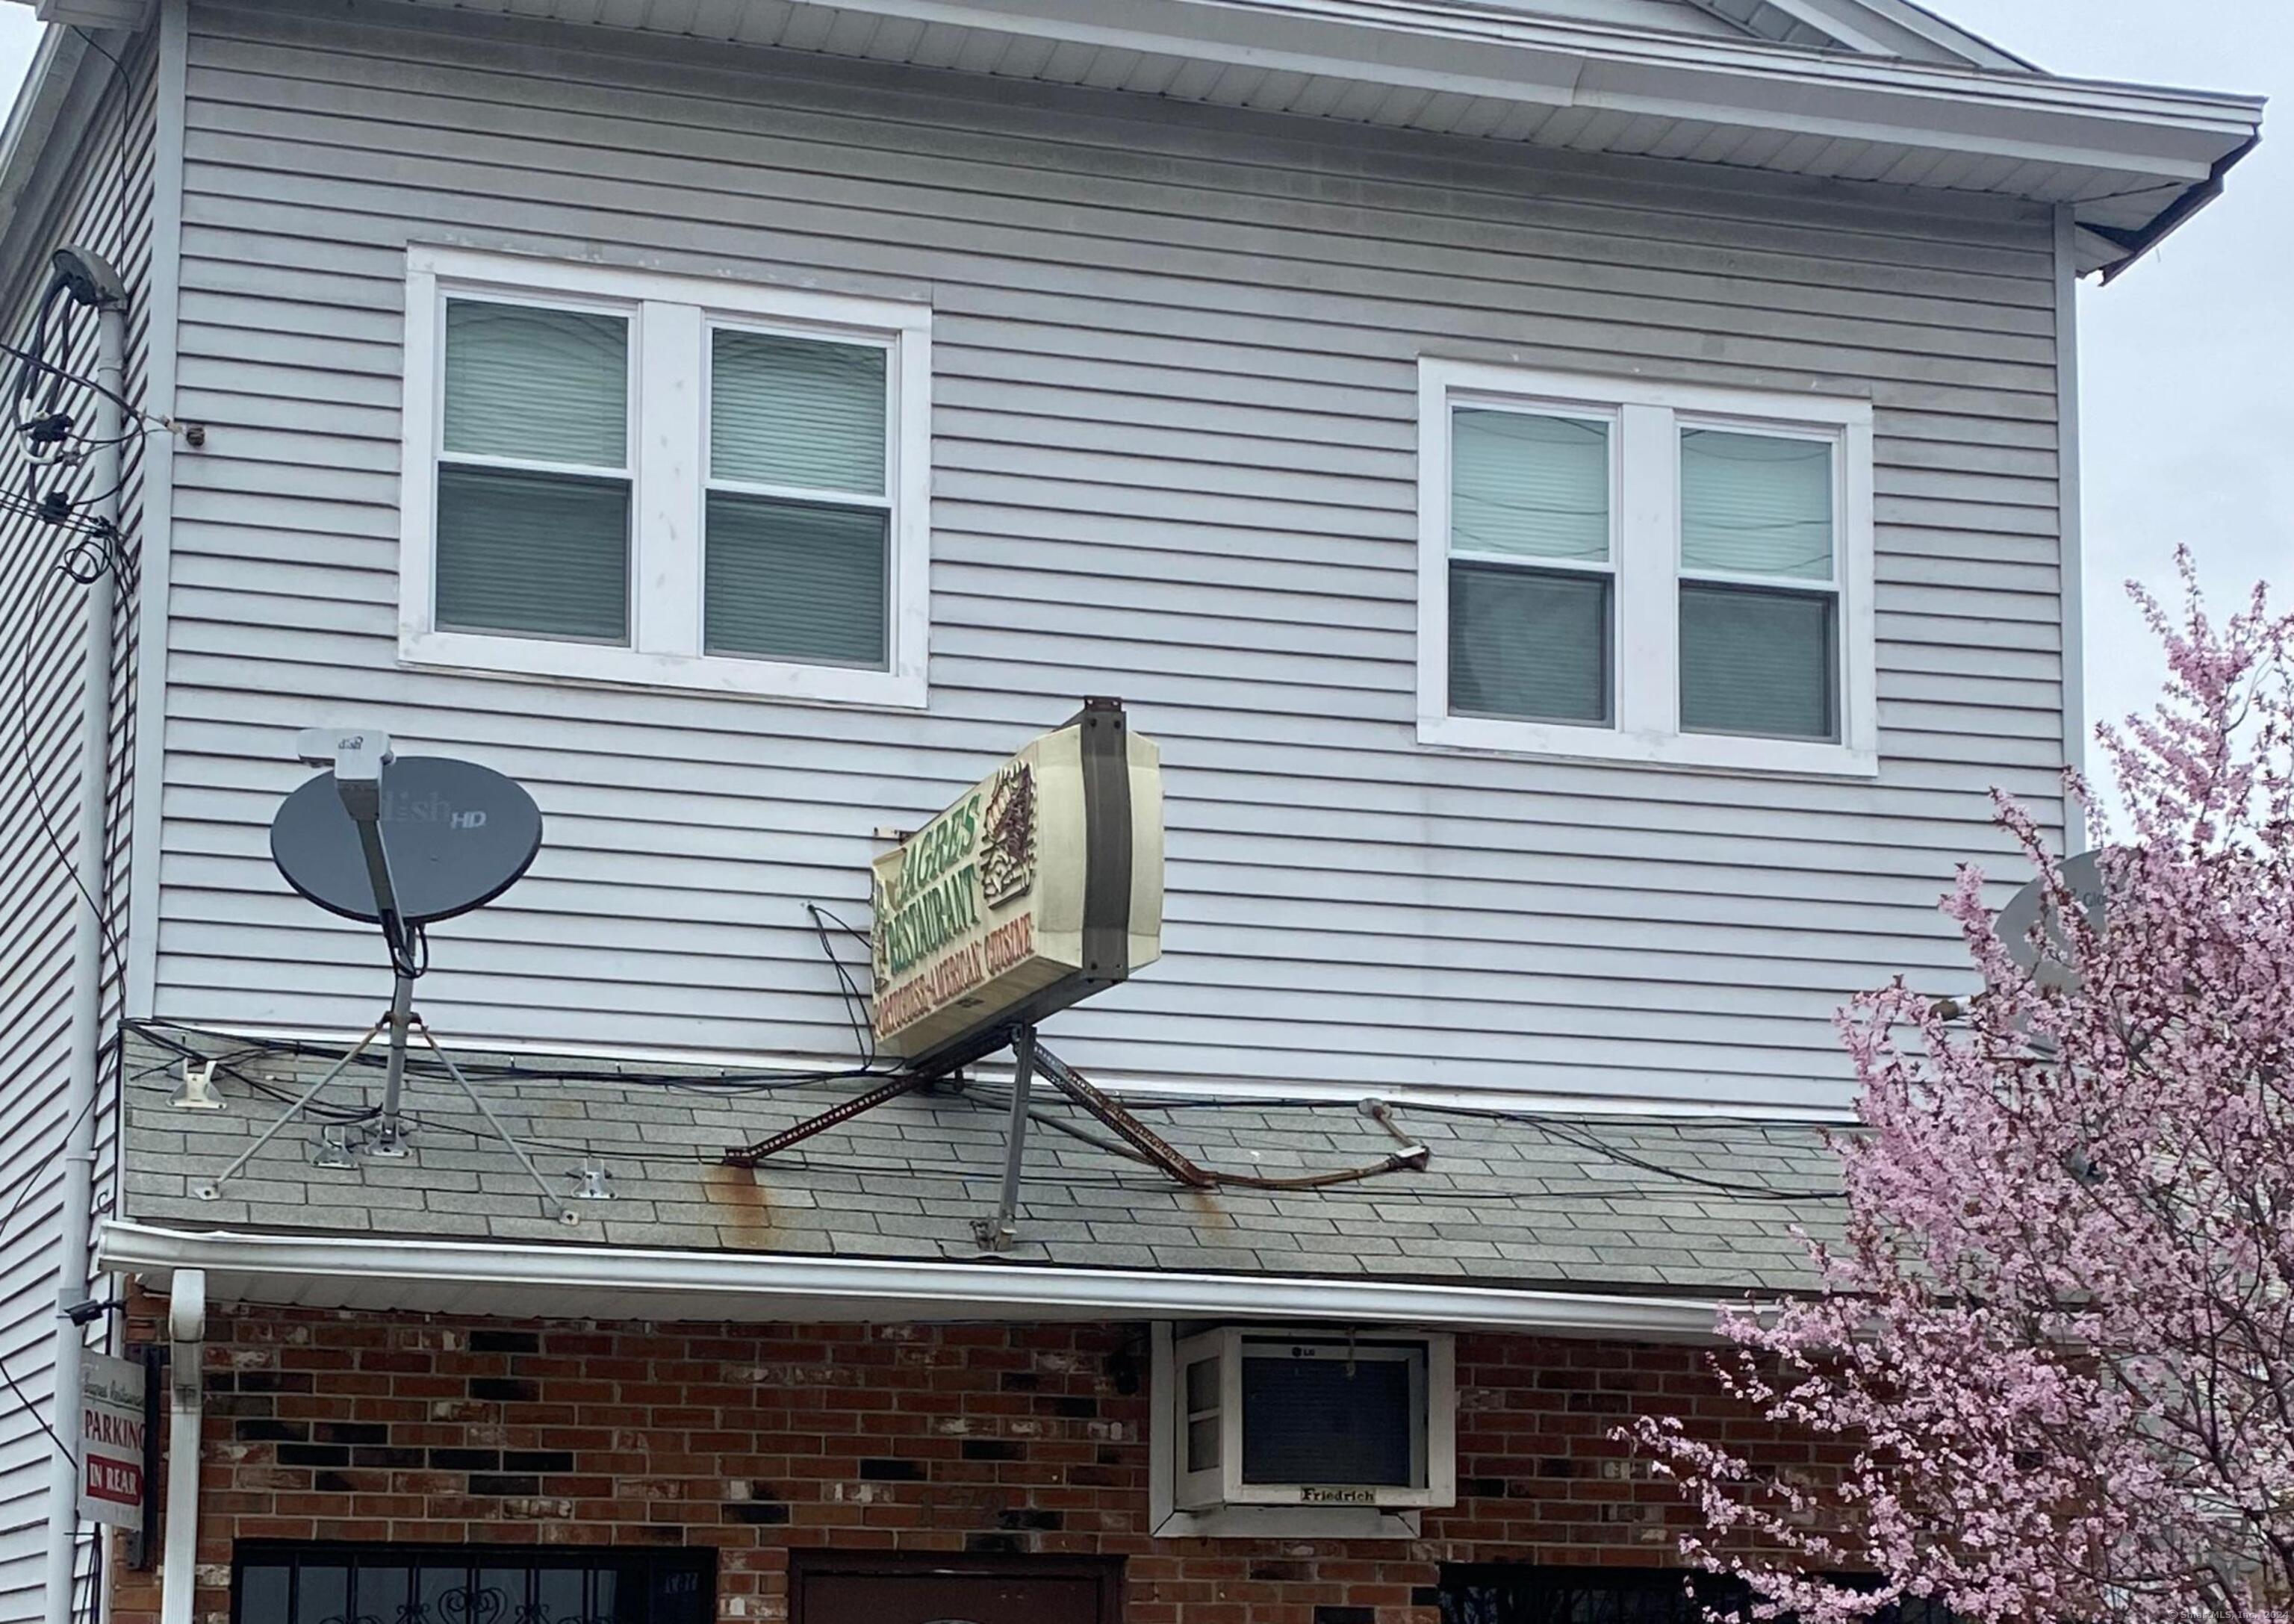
(2056, 1333)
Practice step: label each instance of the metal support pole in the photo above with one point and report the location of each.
(88, 933)
(995, 1233)
(565, 1215)
(213, 1188)
(389, 1142)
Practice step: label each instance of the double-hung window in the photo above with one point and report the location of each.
(1620, 570)
(618, 476)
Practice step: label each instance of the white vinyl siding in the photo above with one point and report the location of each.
(662, 481)
(43, 622)
(1173, 424)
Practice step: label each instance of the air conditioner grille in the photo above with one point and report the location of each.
(1327, 1421)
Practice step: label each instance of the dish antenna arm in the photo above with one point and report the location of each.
(357, 759)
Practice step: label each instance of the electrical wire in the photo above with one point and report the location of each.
(32, 769)
(123, 146)
(760, 1081)
(23, 1188)
(1664, 1184)
(32, 360)
(856, 1006)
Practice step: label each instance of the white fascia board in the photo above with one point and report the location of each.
(1865, 25)
(544, 1281)
(2173, 133)
(32, 115)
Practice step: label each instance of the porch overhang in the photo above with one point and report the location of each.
(390, 1274)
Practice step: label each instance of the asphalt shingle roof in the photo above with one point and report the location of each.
(1569, 1202)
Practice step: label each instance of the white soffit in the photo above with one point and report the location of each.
(2127, 158)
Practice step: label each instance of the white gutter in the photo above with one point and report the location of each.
(388, 1272)
(187, 1330)
(2174, 133)
(2072, 564)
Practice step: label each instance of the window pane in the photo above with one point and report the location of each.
(1529, 643)
(265, 1590)
(1755, 505)
(793, 411)
(1534, 486)
(788, 581)
(1203, 1443)
(550, 385)
(1754, 661)
(543, 554)
(1203, 1386)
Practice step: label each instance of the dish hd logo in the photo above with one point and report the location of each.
(430, 809)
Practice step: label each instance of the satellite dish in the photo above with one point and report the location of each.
(2032, 907)
(460, 835)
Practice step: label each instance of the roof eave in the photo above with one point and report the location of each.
(386, 1274)
(32, 117)
(2125, 134)
(2133, 245)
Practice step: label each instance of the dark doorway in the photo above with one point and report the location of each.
(829, 1588)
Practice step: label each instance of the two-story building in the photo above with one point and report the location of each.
(1582, 494)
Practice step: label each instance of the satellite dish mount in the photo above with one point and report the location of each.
(465, 835)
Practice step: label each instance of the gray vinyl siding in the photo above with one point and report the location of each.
(42, 624)
(1173, 431)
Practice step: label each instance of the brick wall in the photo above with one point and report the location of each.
(758, 1440)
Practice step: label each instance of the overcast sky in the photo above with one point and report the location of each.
(2188, 412)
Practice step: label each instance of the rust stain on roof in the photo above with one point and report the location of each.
(744, 1208)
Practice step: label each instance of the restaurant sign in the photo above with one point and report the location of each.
(112, 1425)
(1041, 885)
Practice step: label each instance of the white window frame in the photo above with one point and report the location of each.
(670, 321)
(1645, 683)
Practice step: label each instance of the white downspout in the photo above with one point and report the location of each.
(187, 1330)
(91, 842)
(2073, 570)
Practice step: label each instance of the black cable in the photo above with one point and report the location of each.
(1577, 1135)
(32, 770)
(32, 362)
(513, 1071)
(60, 377)
(24, 1188)
(856, 1008)
(124, 148)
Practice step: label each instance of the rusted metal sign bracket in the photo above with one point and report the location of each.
(749, 1156)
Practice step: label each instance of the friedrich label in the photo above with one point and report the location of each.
(1312, 1496)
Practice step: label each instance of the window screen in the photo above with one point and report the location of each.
(1759, 603)
(381, 1583)
(799, 525)
(533, 480)
(1327, 1420)
(1531, 563)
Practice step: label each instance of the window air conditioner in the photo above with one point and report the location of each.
(1268, 1416)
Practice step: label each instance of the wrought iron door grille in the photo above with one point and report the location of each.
(386, 1584)
(1510, 1593)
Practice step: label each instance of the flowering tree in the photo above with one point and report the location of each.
(2053, 1348)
